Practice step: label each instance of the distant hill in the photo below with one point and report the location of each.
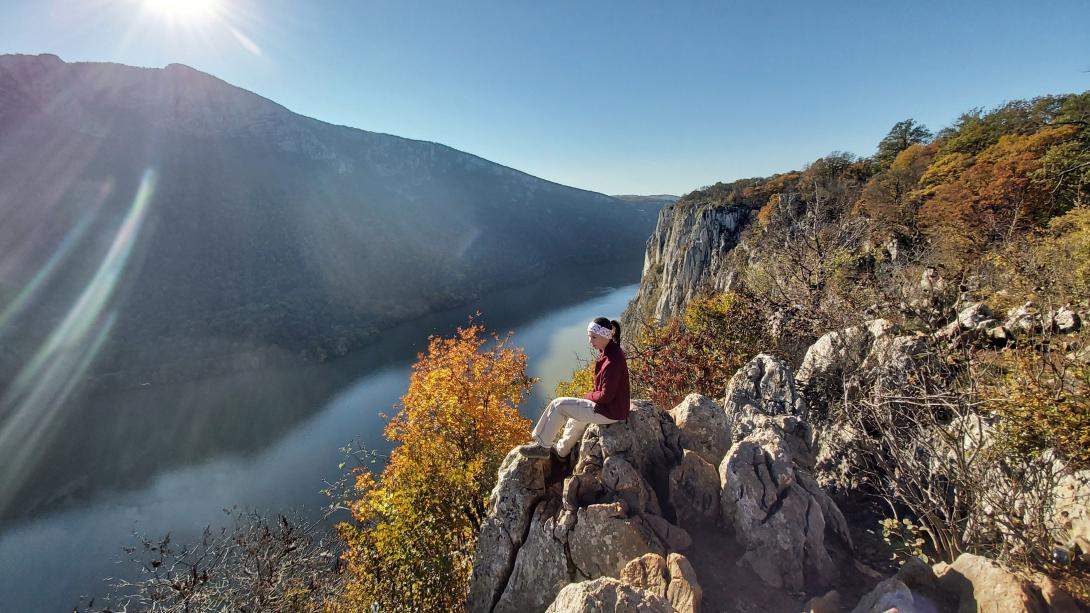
(189, 222)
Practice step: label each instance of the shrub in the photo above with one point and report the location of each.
(700, 351)
(414, 535)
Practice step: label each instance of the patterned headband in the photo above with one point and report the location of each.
(594, 328)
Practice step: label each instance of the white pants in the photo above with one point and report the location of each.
(572, 414)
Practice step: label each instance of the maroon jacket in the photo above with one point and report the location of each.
(611, 393)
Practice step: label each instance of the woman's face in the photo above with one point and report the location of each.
(598, 342)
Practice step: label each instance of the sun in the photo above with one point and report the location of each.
(184, 11)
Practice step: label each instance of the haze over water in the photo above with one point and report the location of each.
(48, 561)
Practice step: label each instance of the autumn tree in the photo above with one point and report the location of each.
(412, 541)
(700, 351)
(903, 135)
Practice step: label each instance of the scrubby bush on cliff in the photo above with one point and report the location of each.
(259, 563)
(1043, 395)
(699, 352)
(412, 541)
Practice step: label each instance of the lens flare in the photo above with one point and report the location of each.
(30, 406)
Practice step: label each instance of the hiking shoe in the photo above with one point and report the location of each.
(536, 451)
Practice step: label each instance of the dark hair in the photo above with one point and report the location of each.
(612, 324)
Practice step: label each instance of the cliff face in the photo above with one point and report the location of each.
(687, 253)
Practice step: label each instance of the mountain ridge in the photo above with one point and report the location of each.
(269, 231)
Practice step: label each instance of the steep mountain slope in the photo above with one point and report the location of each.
(207, 221)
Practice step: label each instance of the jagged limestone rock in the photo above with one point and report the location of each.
(765, 385)
(671, 578)
(686, 254)
(520, 486)
(673, 538)
(625, 482)
(976, 316)
(1025, 319)
(647, 572)
(649, 440)
(888, 594)
(605, 538)
(694, 490)
(684, 592)
(842, 351)
(607, 595)
(541, 566)
(768, 498)
(592, 521)
(704, 427)
(1065, 321)
(1072, 511)
(980, 584)
(778, 522)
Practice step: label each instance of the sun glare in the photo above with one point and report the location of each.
(184, 11)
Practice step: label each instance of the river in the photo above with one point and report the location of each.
(170, 458)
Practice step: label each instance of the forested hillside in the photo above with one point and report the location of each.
(217, 230)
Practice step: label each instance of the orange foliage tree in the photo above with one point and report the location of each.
(411, 545)
(995, 197)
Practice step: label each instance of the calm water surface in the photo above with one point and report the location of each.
(171, 458)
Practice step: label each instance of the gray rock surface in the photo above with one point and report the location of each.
(541, 567)
(764, 385)
(694, 490)
(779, 523)
(648, 572)
(980, 584)
(704, 427)
(686, 254)
(1025, 319)
(520, 486)
(1065, 321)
(606, 595)
(1072, 512)
(768, 497)
(975, 316)
(684, 592)
(889, 594)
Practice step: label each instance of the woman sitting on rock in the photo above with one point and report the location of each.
(607, 403)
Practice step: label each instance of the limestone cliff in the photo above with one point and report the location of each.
(687, 253)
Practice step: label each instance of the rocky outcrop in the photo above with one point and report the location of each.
(649, 573)
(673, 579)
(852, 361)
(547, 529)
(769, 498)
(979, 584)
(843, 352)
(606, 595)
(972, 584)
(1071, 514)
(704, 427)
(635, 486)
(520, 487)
(684, 592)
(605, 538)
(765, 385)
(686, 254)
(694, 490)
(889, 594)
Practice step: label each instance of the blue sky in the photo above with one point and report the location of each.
(618, 97)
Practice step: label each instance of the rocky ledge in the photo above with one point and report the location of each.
(708, 506)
